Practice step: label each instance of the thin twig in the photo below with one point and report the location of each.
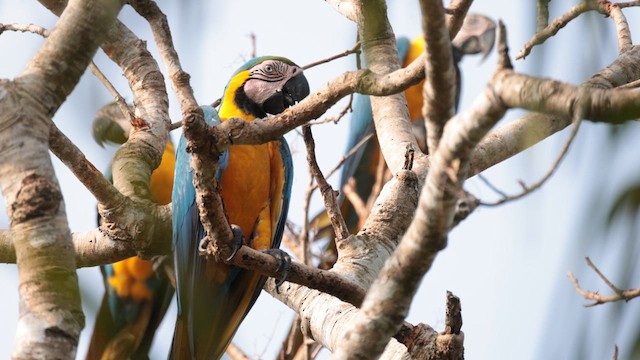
(292, 342)
(122, 104)
(491, 186)
(628, 4)
(604, 278)
(328, 195)
(354, 50)
(254, 47)
(615, 352)
(337, 118)
(349, 190)
(555, 26)
(175, 125)
(382, 175)
(39, 30)
(604, 7)
(531, 188)
(351, 153)
(290, 240)
(598, 299)
(304, 232)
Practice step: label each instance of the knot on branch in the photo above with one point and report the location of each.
(465, 205)
(139, 123)
(37, 197)
(407, 177)
(181, 78)
(364, 81)
(416, 338)
(236, 130)
(408, 157)
(138, 222)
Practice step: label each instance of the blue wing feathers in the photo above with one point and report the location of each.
(287, 161)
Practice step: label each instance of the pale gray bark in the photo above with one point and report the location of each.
(134, 225)
(50, 313)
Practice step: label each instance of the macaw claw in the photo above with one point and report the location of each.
(238, 240)
(284, 265)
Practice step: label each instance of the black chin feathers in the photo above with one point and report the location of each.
(247, 105)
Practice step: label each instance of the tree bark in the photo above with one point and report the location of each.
(51, 316)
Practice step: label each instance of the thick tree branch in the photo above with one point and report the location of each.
(51, 316)
(439, 90)
(204, 163)
(557, 98)
(455, 21)
(82, 168)
(387, 301)
(524, 132)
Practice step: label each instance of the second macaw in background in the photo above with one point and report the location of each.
(255, 181)
(136, 295)
(476, 36)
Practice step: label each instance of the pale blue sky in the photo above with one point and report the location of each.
(507, 264)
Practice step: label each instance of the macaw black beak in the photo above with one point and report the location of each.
(293, 91)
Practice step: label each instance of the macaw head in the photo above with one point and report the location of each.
(110, 126)
(264, 85)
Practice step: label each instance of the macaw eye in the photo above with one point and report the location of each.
(268, 69)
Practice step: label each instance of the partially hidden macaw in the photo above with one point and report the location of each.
(255, 181)
(136, 294)
(476, 36)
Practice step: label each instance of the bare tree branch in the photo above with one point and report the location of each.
(528, 189)
(602, 6)
(354, 50)
(328, 194)
(598, 299)
(427, 234)
(459, 9)
(51, 315)
(439, 90)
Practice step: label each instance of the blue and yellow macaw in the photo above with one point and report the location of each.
(136, 295)
(476, 36)
(255, 181)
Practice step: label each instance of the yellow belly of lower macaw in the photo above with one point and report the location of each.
(129, 279)
(130, 275)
